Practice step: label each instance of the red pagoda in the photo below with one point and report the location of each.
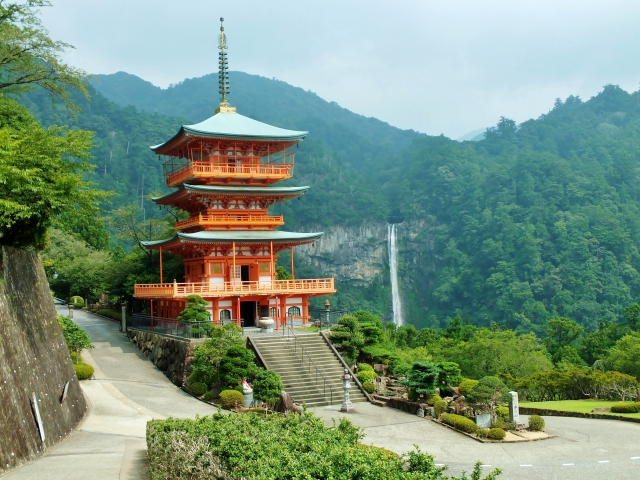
(224, 169)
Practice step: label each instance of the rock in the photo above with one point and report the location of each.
(285, 404)
(448, 399)
(455, 390)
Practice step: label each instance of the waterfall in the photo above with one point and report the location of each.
(392, 235)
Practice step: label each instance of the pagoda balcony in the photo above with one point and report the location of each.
(261, 173)
(317, 286)
(232, 221)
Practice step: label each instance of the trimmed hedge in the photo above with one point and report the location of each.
(198, 388)
(459, 422)
(439, 408)
(432, 399)
(229, 398)
(367, 376)
(503, 413)
(536, 423)
(496, 434)
(466, 385)
(112, 314)
(266, 447)
(626, 408)
(369, 387)
(83, 370)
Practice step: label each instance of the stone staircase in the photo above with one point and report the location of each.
(289, 356)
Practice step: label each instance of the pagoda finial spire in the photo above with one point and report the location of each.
(223, 72)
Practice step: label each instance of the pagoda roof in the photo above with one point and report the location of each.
(234, 191)
(240, 237)
(228, 125)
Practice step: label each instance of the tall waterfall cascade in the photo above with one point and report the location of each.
(392, 235)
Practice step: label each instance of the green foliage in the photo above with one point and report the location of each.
(459, 422)
(561, 333)
(439, 407)
(366, 376)
(422, 378)
(231, 398)
(77, 301)
(369, 387)
(347, 337)
(83, 370)
(75, 337)
(364, 367)
(432, 399)
(267, 386)
(624, 355)
(466, 385)
(503, 413)
(209, 396)
(198, 388)
(195, 310)
(243, 446)
(496, 434)
(448, 375)
(112, 314)
(282, 274)
(489, 391)
(208, 354)
(626, 408)
(536, 423)
(236, 364)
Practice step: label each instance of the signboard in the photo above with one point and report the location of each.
(514, 410)
(483, 420)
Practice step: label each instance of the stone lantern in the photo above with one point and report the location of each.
(347, 406)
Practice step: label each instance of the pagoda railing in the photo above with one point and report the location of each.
(275, 287)
(242, 220)
(258, 171)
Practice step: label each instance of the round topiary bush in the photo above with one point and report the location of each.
(364, 367)
(439, 407)
(459, 422)
(209, 396)
(369, 387)
(367, 376)
(432, 399)
(496, 434)
(536, 423)
(466, 386)
(229, 399)
(625, 408)
(83, 371)
(77, 301)
(198, 388)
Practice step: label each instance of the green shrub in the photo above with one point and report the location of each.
(496, 434)
(459, 422)
(466, 385)
(83, 371)
(76, 301)
(198, 388)
(626, 408)
(207, 355)
(236, 365)
(536, 423)
(498, 422)
(229, 399)
(209, 396)
(432, 399)
(369, 387)
(482, 432)
(439, 408)
(112, 314)
(503, 413)
(364, 367)
(243, 446)
(399, 368)
(367, 376)
(75, 337)
(267, 386)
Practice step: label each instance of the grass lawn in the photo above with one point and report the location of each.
(582, 406)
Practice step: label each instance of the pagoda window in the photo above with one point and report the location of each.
(272, 312)
(294, 312)
(225, 315)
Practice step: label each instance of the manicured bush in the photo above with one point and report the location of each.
(369, 387)
(209, 396)
(245, 446)
(229, 399)
(439, 408)
(626, 408)
(496, 434)
(364, 367)
(236, 365)
(207, 355)
(366, 376)
(503, 413)
(76, 301)
(112, 314)
(536, 423)
(432, 399)
(198, 388)
(459, 422)
(498, 422)
(83, 370)
(267, 386)
(75, 337)
(466, 385)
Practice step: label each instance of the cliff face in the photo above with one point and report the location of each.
(34, 360)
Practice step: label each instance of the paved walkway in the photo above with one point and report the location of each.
(129, 391)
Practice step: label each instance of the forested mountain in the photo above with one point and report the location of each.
(535, 221)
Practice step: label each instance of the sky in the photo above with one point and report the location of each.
(447, 67)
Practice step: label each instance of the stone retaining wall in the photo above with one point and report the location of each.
(559, 413)
(171, 355)
(406, 405)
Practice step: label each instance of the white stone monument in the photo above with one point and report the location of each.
(514, 410)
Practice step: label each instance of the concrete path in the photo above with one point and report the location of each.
(127, 392)
(584, 448)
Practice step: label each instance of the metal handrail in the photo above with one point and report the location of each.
(296, 343)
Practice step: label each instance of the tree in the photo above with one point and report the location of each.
(624, 355)
(348, 337)
(195, 310)
(422, 378)
(560, 333)
(282, 274)
(208, 355)
(632, 316)
(236, 365)
(29, 58)
(448, 375)
(489, 391)
(267, 385)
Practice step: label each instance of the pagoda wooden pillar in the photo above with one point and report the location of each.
(283, 310)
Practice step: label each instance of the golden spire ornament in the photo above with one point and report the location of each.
(223, 72)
